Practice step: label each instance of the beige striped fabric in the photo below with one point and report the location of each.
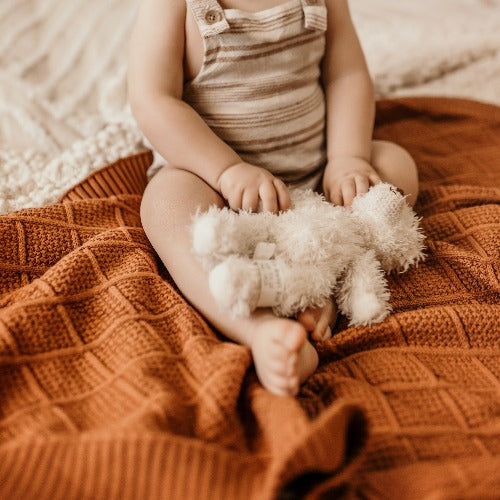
(259, 89)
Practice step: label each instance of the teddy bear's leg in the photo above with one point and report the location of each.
(218, 233)
(363, 295)
(241, 285)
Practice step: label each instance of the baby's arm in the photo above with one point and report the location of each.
(177, 132)
(350, 109)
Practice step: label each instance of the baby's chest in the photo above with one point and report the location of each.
(194, 49)
(269, 32)
(251, 5)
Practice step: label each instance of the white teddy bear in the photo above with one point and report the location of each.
(302, 257)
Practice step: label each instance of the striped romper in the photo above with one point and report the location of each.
(259, 86)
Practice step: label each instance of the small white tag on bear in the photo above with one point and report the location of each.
(271, 283)
(264, 251)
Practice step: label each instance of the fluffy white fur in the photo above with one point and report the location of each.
(314, 250)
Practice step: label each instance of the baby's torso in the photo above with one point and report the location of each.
(252, 73)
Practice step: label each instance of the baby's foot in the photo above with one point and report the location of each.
(282, 355)
(319, 320)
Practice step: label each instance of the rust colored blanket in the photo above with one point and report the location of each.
(113, 387)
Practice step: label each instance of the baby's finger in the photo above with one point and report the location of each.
(284, 202)
(374, 179)
(234, 200)
(334, 196)
(269, 198)
(250, 200)
(348, 192)
(362, 184)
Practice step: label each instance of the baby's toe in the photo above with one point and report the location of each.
(277, 355)
(282, 361)
(321, 332)
(328, 318)
(295, 337)
(308, 319)
(293, 385)
(291, 364)
(280, 385)
(308, 362)
(327, 334)
(284, 368)
(290, 336)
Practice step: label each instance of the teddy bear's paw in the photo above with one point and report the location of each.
(363, 295)
(235, 285)
(368, 308)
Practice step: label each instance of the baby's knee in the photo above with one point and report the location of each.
(395, 165)
(151, 200)
(174, 195)
(387, 156)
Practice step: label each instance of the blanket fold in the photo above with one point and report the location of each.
(113, 387)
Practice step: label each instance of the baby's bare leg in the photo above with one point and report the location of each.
(282, 354)
(395, 165)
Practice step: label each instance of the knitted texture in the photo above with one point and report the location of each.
(113, 387)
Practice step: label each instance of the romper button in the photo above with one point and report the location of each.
(213, 16)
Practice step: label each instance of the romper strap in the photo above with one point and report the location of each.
(314, 14)
(209, 16)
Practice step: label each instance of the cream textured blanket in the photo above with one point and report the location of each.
(63, 110)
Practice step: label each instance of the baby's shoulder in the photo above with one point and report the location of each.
(161, 10)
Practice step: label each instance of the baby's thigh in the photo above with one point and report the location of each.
(395, 165)
(170, 200)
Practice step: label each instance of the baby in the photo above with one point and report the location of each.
(243, 99)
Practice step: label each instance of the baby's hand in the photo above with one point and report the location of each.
(347, 177)
(243, 185)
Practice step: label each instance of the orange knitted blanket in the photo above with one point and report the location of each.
(113, 387)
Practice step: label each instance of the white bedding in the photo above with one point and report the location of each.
(63, 111)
